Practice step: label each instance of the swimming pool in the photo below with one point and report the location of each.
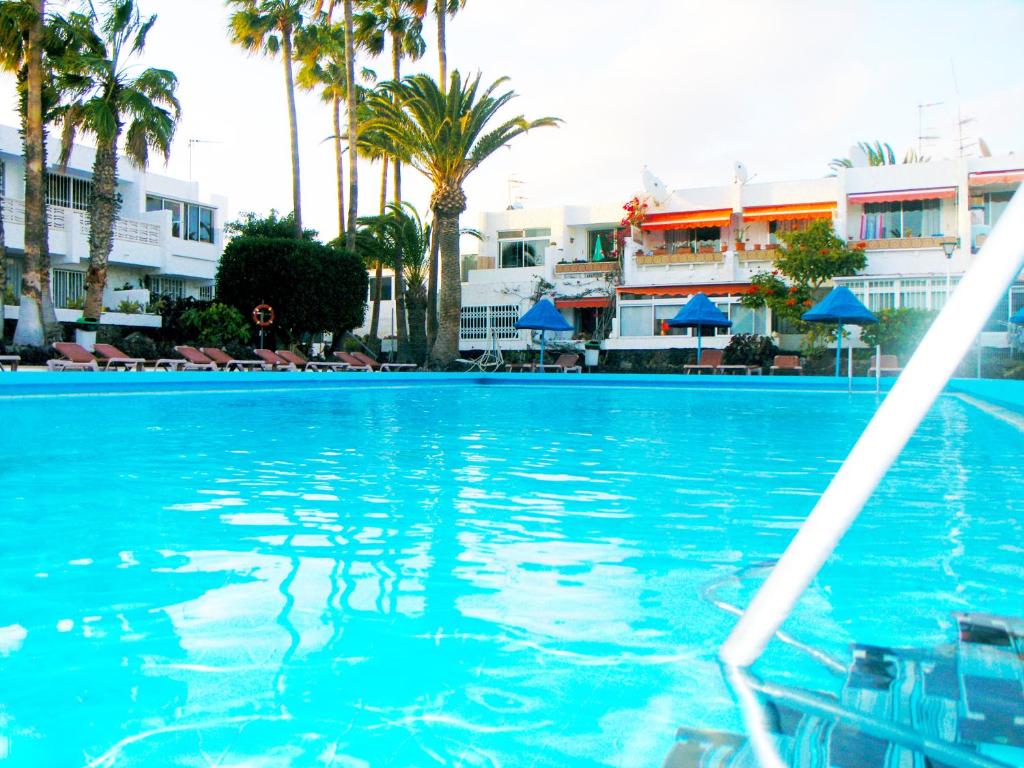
(405, 572)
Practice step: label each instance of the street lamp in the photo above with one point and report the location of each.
(949, 244)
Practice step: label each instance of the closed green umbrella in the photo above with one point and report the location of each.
(598, 250)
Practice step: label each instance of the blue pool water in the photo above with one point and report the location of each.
(454, 575)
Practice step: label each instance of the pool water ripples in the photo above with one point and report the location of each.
(462, 576)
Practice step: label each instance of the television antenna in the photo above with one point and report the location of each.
(921, 137)
(962, 143)
(514, 200)
(191, 144)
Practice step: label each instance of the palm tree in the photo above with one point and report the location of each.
(445, 135)
(442, 10)
(268, 26)
(113, 100)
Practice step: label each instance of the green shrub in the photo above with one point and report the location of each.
(750, 349)
(128, 307)
(139, 345)
(217, 325)
(898, 331)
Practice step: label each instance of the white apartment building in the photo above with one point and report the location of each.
(167, 241)
(714, 239)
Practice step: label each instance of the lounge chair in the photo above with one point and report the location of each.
(567, 363)
(229, 363)
(275, 361)
(11, 360)
(887, 365)
(710, 361)
(75, 358)
(194, 360)
(787, 364)
(303, 364)
(353, 362)
(111, 356)
(376, 365)
(520, 367)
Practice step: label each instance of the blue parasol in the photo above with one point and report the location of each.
(543, 317)
(1018, 317)
(840, 307)
(700, 313)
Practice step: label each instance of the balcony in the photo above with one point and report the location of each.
(128, 230)
(899, 243)
(586, 267)
(661, 257)
(765, 253)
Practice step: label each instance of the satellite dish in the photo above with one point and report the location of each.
(741, 174)
(655, 187)
(983, 149)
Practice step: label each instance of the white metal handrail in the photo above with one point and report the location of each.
(943, 347)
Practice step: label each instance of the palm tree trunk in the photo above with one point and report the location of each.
(3, 270)
(52, 330)
(432, 268)
(353, 129)
(293, 126)
(341, 167)
(102, 213)
(379, 274)
(446, 345)
(442, 52)
(400, 327)
(417, 305)
(29, 330)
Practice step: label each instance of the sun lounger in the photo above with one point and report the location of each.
(229, 363)
(74, 358)
(566, 363)
(275, 361)
(379, 366)
(11, 360)
(353, 362)
(520, 367)
(302, 363)
(787, 364)
(194, 360)
(111, 356)
(887, 365)
(710, 360)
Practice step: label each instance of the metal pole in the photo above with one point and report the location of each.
(878, 368)
(978, 376)
(839, 345)
(943, 347)
(849, 367)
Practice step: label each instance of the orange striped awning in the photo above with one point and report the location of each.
(718, 217)
(986, 178)
(587, 302)
(902, 195)
(711, 289)
(786, 212)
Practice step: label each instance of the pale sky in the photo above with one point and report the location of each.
(682, 86)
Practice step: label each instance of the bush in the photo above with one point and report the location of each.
(898, 331)
(750, 349)
(128, 307)
(139, 345)
(312, 287)
(216, 325)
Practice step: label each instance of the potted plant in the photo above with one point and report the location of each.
(741, 238)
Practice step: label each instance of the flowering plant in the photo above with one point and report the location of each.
(636, 212)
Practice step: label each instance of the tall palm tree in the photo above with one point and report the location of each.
(400, 23)
(268, 27)
(114, 100)
(446, 135)
(442, 10)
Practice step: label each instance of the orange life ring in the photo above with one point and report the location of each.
(263, 315)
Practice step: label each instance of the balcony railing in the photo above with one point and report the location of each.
(577, 267)
(14, 213)
(679, 257)
(897, 243)
(130, 230)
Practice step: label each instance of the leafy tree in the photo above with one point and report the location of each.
(446, 135)
(311, 286)
(216, 325)
(251, 224)
(112, 99)
(268, 27)
(898, 331)
(807, 260)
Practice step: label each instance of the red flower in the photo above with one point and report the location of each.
(775, 271)
(790, 302)
(793, 289)
(808, 302)
(824, 251)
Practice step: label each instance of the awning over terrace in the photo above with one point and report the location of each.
(787, 212)
(718, 217)
(586, 302)
(711, 289)
(902, 195)
(987, 178)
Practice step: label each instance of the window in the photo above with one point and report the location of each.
(693, 238)
(788, 225)
(662, 314)
(68, 192)
(994, 203)
(914, 294)
(607, 237)
(500, 319)
(911, 218)
(522, 247)
(68, 287)
(747, 319)
(167, 286)
(196, 221)
(385, 288)
(881, 295)
(3, 179)
(635, 321)
(206, 292)
(13, 289)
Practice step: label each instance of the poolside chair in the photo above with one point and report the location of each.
(111, 356)
(787, 364)
(75, 358)
(376, 365)
(887, 365)
(565, 363)
(11, 360)
(229, 363)
(710, 361)
(300, 362)
(353, 362)
(194, 360)
(275, 361)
